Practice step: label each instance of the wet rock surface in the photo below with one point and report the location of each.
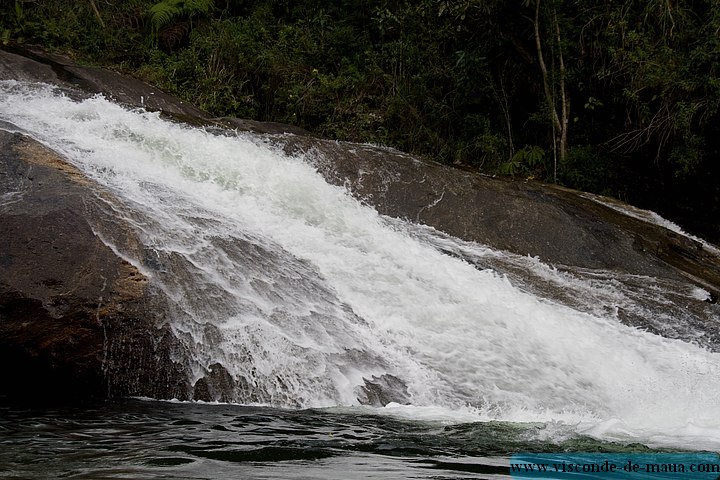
(557, 225)
(383, 390)
(76, 326)
(73, 315)
(27, 64)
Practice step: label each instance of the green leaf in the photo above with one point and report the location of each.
(167, 11)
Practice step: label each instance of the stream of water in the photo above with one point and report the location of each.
(499, 353)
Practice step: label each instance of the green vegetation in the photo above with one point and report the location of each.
(617, 97)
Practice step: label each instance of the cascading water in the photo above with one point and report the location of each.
(301, 292)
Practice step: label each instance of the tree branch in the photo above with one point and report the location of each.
(97, 13)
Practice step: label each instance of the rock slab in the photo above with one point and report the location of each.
(78, 321)
(72, 312)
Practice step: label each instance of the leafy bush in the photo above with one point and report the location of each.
(458, 81)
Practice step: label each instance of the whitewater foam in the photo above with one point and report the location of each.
(336, 293)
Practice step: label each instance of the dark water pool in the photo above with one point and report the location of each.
(136, 439)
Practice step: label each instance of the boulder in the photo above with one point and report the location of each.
(74, 320)
(383, 390)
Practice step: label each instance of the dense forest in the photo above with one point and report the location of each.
(618, 97)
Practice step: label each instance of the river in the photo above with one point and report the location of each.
(496, 353)
(154, 440)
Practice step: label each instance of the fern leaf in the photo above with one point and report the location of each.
(202, 7)
(165, 12)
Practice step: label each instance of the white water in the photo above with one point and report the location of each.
(650, 217)
(357, 295)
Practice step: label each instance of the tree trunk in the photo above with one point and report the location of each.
(560, 122)
(564, 99)
(97, 13)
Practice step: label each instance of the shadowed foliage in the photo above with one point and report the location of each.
(619, 97)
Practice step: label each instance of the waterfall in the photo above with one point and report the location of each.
(302, 292)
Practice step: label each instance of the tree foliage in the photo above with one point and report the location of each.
(166, 12)
(619, 97)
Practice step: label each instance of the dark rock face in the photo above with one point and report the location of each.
(72, 313)
(50, 332)
(558, 225)
(216, 386)
(379, 391)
